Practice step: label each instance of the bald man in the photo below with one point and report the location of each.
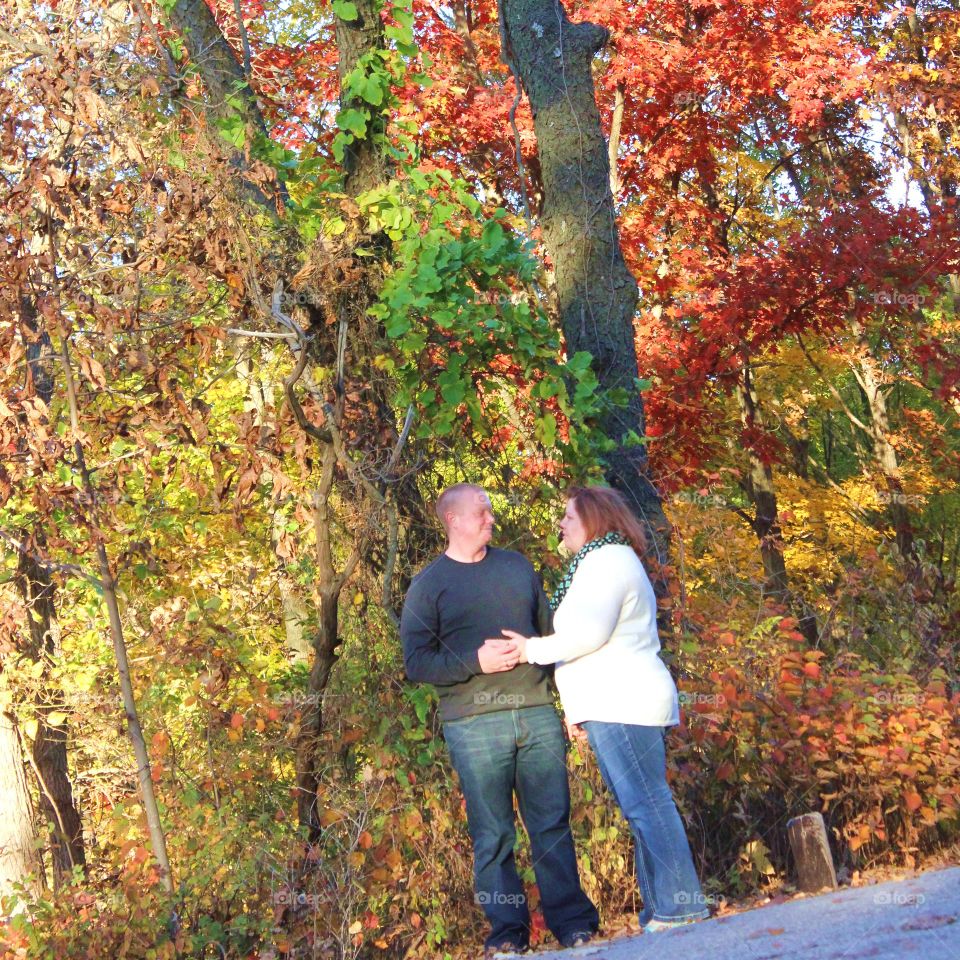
(499, 721)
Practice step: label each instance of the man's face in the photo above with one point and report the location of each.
(472, 519)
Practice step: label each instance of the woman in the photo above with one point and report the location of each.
(614, 686)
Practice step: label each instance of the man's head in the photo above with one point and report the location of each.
(466, 514)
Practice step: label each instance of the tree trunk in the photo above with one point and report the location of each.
(39, 596)
(364, 167)
(108, 585)
(597, 293)
(363, 159)
(759, 487)
(50, 744)
(18, 855)
(222, 73)
(765, 522)
(324, 642)
(260, 399)
(228, 88)
(865, 369)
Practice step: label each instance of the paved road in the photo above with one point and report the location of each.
(913, 919)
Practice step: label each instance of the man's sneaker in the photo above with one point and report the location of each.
(658, 926)
(505, 949)
(577, 939)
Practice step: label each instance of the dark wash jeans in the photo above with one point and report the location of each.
(633, 763)
(494, 755)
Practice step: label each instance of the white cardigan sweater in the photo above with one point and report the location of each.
(606, 645)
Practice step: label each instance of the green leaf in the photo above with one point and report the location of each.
(546, 430)
(403, 16)
(579, 363)
(493, 238)
(233, 130)
(453, 392)
(355, 121)
(372, 89)
(345, 10)
(397, 327)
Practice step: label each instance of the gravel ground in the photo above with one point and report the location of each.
(917, 917)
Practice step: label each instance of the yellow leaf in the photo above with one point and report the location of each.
(356, 926)
(56, 718)
(330, 817)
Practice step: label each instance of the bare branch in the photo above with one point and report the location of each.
(324, 436)
(244, 40)
(851, 416)
(353, 471)
(393, 539)
(48, 566)
(262, 334)
(401, 440)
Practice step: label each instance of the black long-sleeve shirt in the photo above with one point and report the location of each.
(452, 608)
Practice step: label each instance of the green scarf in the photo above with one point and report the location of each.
(564, 585)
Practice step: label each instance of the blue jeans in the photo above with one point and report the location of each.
(633, 763)
(494, 755)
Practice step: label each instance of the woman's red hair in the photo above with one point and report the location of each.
(603, 510)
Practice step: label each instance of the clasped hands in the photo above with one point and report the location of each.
(503, 653)
(499, 654)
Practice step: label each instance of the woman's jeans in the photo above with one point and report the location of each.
(494, 755)
(633, 763)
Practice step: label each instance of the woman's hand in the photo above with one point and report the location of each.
(497, 655)
(519, 642)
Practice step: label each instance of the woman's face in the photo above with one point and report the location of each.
(571, 526)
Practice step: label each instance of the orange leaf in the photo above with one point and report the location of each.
(913, 800)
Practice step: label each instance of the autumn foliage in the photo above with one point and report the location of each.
(270, 371)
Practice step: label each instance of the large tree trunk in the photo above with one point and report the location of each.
(597, 293)
(363, 159)
(18, 854)
(228, 89)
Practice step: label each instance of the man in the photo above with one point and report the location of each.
(499, 722)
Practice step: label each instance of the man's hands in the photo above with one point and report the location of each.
(503, 653)
(497, 655)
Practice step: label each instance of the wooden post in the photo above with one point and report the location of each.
(811, 851)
